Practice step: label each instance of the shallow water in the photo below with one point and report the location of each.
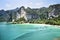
(28, 32)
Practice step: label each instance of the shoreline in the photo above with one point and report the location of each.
(35, 24)
(43, 25)
(55, 26)
(40, 24)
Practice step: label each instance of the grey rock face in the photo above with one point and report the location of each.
(55, 11)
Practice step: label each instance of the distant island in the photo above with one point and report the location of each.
(44, 15)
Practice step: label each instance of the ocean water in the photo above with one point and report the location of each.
(28, 32)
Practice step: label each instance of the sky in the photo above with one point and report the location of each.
(12, 4)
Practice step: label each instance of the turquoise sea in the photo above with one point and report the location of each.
(28, 32)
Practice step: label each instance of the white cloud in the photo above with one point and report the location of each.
(25, 5)
(38, 4)
(28, 4)
(8, 5)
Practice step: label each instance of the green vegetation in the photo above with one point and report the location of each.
(53, 22)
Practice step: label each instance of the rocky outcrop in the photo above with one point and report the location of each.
(55, 12)
(52, 14)
(22, 13)
(27, 15)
